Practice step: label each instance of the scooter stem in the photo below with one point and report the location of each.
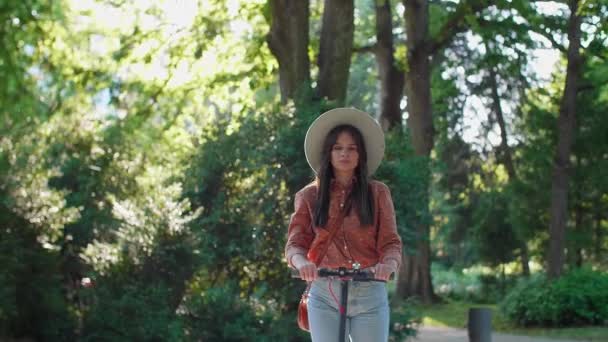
(343, 308)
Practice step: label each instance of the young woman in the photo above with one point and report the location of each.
(344, 146)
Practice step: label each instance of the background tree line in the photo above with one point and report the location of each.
(155, 148)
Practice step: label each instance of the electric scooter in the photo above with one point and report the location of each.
(345, 276)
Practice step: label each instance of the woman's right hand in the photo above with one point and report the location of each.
(307, 269)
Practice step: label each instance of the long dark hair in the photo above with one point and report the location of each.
(360, 198)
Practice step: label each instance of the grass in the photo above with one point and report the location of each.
(454, 314)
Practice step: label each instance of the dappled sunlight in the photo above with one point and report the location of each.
(151, 152)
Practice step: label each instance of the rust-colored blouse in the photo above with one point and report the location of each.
(366, 245)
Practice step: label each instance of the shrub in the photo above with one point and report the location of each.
(32, 302)
(404, 321)
(495, 286)
(130, 312)
(220, 314)
(455, 284)
(579, 297)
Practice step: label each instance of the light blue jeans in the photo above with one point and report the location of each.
(367, 315)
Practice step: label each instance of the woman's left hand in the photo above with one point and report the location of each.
(384, 271)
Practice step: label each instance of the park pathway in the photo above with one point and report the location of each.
(440, 334)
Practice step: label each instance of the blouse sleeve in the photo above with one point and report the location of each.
(389, 242)
(299, 234)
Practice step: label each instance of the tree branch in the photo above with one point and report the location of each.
(526, 27)
(585, 87)
(456, 24)
(372, 48)
(365, 49)
(554, 43)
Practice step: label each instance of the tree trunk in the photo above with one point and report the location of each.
(414, 276)
(391, 78)
(506, 158)
(335, 49)
(598, 231)
(561, 163)
(415, 273)
(288, 42)
(418, 78)
(577, 249)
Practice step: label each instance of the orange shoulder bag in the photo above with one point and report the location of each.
(303, 306)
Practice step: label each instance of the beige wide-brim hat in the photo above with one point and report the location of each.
(371, 131)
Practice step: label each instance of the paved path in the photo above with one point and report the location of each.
(438, 334)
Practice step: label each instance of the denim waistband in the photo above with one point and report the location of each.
(363, 296)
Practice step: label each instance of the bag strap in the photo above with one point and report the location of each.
(330, 238)
(332, 233)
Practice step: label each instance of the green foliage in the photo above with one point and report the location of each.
(578, 298)
(490, 215)
(244, 182)
(406, 175)
(476, 284)
(362, 83)
(529, 198)
(32, 302)
(219, 314)
(454, 196)
(130, 311)
(495, 286)
(23, 27)
(404, 321)
(455, 284)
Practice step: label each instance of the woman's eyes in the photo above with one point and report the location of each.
(342, 148)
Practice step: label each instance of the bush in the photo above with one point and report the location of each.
(404, 321)
(130, 312)
(494, 287)
(577, 298)
(32, 301)
(455, 284)
(221, 314)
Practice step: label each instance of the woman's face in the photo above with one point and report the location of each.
(344, 154)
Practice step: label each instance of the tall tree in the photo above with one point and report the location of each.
(561, 163)
(506, 155)
(415, 273)
(335, 49)
(288, 42)
(391, 77)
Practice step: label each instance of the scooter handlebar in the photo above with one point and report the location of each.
(355, 275)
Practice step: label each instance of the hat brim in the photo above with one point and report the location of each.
(372, 133)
